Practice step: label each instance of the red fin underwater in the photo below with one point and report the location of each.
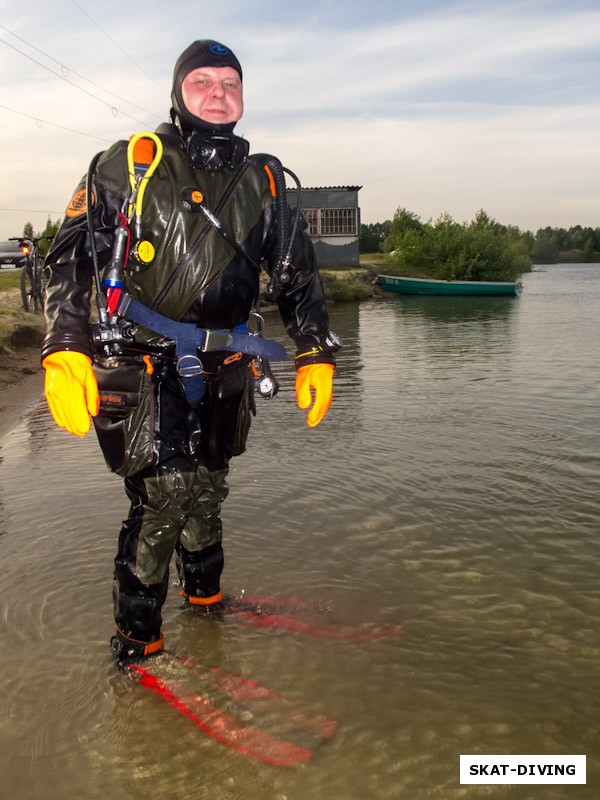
(283, 613)
(235, 711)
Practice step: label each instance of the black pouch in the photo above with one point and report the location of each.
(246, 410)
(123, 423)
(120, 380)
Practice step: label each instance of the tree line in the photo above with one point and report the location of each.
(545, 246)
(482, 249)
(51, 229)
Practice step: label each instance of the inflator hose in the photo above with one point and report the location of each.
(280, 276)
(100, 295)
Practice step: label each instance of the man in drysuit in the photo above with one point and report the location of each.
(169, 420)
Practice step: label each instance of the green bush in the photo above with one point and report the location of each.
(482, 250)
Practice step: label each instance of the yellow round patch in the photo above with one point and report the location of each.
(144, 251)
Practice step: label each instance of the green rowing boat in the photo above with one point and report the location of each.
(395, 283)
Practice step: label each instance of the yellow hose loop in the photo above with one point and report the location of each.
(138, 186)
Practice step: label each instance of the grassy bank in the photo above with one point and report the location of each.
(18, 328)
(21, 333)
(346, 284)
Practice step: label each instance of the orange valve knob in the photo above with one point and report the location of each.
(191, 199)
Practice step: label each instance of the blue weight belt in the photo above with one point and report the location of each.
(189, 339)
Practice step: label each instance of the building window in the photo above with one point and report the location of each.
(338, 222)
(312, 217)
(332, 221)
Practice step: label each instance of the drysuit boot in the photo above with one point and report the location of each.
(138, 621)
(200, 573)
(123, 648)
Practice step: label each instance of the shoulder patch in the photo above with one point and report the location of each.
(78, 204)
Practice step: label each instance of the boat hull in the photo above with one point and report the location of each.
(395, 283)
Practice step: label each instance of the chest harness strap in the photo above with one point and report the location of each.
(144, 153)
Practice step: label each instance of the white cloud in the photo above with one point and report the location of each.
(363, 67)
(523, 171)
(445, 107)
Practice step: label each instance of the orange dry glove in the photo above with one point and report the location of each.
(320, 378)
(71, 390)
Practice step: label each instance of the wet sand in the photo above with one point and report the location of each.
(21, 384)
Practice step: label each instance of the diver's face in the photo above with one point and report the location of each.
(214, 94)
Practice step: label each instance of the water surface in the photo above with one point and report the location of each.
(453, 488)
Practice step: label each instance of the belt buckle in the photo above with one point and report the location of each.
(216, 340)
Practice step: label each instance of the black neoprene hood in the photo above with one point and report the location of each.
(203, 53)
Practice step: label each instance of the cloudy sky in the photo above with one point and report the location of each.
(435, 106)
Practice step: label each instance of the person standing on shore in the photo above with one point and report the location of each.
(170, 417)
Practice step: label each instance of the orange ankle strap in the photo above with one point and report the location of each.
(149, 647)
(203, 601)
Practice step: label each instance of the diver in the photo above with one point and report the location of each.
(178, 224)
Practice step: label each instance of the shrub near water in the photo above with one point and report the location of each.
(482, 250)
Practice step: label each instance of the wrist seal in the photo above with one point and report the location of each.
(320, 353)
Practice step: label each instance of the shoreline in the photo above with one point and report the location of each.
(21, 373)
(25, 387)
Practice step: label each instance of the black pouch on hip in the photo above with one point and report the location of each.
(120, 380)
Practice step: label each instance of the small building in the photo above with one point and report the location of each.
(333, 218)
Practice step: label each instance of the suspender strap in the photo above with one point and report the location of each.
(189, 339)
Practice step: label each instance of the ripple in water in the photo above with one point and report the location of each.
(453, 490)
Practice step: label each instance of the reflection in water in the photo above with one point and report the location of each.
(460, 329)
(452, 489)
(460, 310)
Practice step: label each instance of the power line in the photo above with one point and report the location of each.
(31, 211)
(39, 122)
(65, 70)
(114, 110)
(125, 53)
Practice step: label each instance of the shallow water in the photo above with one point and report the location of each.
(454, 489)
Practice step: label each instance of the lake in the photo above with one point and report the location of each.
(452, 490)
